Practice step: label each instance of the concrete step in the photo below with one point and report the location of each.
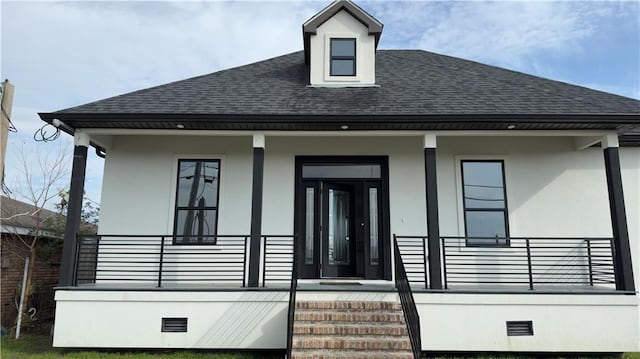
(358, 342)
(351, 354)
(341, 328)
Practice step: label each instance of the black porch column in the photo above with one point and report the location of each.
(622, 253)
(74, 210)
(433, 225)
(256, 210)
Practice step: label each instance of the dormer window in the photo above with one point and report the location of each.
(343, 57)
(340, 46)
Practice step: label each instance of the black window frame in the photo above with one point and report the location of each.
(210, 239)
(505, 209)
(332, 57)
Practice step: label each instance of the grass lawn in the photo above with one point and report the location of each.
(39, 347)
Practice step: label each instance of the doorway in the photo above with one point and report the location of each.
(341, 217)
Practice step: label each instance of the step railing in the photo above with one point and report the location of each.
(407, 302)
(292, 301)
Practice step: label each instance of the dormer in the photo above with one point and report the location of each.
(340, 46)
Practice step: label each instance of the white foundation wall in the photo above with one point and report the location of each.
(215, 320)
(561, 323)
(258, 320)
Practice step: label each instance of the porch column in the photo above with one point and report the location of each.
(74, 209)
(256, 210)
(433, 226)
(622, 253)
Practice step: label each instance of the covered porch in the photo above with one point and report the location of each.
(419, 204)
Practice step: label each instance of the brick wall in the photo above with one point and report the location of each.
(45, 278)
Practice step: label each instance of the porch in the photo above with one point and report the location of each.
(398, 193)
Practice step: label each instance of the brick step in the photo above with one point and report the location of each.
(349, 316)
(351, 343)
(366, 328)
(350, 305)
(351, 354)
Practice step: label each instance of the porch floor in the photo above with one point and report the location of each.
(348, 286)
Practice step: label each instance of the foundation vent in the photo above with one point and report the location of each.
(174, 325)
(519, 328)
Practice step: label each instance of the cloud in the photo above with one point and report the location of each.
(62, 54)
(110, 48)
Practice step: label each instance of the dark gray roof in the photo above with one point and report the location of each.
(412, 82)
(16, 213)
(417, 90)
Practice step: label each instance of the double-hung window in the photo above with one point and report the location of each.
(485, 203)
(343, 57)
(196, 211)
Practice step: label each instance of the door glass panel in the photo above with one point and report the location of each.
(341, 171)
(339, 227)
(373, 226)
(309, 226)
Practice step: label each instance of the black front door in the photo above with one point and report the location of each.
(342, 217)
(338, 230)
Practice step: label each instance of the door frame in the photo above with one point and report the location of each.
(312, 271)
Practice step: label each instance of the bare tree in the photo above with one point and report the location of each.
(41, 176)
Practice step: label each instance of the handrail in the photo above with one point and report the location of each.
(408, 303)
(292, 299)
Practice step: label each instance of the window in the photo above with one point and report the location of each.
(196, 214)
(343, 57)
(485, 204)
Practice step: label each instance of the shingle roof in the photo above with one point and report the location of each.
(16, 213)
(412, 82)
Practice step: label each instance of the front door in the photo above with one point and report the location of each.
(342, 217)
(338, 236)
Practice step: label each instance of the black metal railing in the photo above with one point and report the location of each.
(277, 259)
(406, 300)
(157, 260)
(292, 302)
(517, 263)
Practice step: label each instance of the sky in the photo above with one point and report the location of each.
(61, 54)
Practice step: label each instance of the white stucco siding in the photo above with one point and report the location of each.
(342, 25)
(552, 189)
(630, 166)
(139, 182)
(406, 177)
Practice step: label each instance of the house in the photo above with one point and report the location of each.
(358, 202)
(20, 222)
